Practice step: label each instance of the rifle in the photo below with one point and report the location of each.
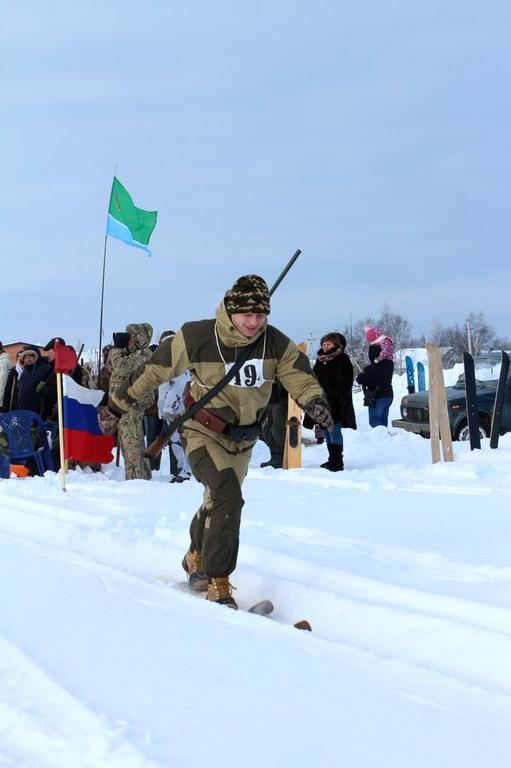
(157, 446)
(77, 360)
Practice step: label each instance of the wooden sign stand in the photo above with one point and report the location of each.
(440, 429)
(293, 445)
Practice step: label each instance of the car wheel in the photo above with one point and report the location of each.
(463, 433)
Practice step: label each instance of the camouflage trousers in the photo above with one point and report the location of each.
(131, 431)
(215, 528)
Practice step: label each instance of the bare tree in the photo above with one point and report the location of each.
(439, 334)
(483, 335)
(502, 342)
(456, 336)
(391, 323)
(356, 341)
(396, 326)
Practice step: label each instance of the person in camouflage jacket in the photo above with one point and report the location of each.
(130, 351)
(208, 348)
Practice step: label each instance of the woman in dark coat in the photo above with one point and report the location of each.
(31, 379)
(335, 373)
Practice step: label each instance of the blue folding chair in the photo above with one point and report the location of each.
(18, 428)
(4, 467)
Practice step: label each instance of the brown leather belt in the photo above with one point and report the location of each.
(216, 424)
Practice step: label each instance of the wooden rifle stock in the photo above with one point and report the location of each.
(156, 447)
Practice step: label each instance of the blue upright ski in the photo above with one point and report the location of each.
(410, 377)
(421, 377)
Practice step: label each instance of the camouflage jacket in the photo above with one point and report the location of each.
(207, 348)
(122, 362)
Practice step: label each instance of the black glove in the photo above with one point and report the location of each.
(121, 340)
(319, 411)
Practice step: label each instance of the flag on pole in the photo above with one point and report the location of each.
(65, 358)
(83, 439)
(126, 222)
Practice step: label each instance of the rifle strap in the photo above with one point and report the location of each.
(219, 386)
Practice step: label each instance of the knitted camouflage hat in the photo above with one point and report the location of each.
(248, 294)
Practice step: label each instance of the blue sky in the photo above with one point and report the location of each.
(375, 136)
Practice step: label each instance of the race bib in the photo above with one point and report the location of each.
(249, 375)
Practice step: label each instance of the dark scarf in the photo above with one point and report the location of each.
(325, 358)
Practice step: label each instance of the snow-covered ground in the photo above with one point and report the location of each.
(403, 569)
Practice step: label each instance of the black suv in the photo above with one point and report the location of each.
(415, 408)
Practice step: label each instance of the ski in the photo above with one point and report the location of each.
(499, 401)
(421, 377)
(471, 400)
(261, 608)
(294, 432)
(303, 624)
(410, 376)
(440, 430)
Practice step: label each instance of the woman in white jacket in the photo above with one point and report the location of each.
(170, 406)
(5, 367)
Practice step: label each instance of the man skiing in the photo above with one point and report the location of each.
(219, 440)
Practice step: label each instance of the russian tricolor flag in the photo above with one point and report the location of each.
(83, 439)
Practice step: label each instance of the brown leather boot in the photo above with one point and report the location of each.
(192, 564)
(220, 591)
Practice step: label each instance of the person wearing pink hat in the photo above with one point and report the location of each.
(375, 336)
(376, 378)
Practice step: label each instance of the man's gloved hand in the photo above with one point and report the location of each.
(108, 420)
(40, 387)
(319, 411)
(121, 340)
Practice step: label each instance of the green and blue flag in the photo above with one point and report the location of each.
(126, 222)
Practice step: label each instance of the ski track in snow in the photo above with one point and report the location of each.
(417, 594)
(457, 638)
(43, 726)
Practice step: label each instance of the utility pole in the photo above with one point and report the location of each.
(310, 341)
(469, 338)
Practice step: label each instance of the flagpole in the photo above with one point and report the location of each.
(100, 356)
(61, 433)
(101, 314)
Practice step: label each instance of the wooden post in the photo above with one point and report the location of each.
(438, 415)
(434, 424)
(63, 467)
(443, 414)
(293, 445)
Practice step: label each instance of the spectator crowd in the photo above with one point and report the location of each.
(30, 383)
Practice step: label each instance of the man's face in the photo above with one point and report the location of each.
(248, 323)
(51, 355)
(29, 358)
